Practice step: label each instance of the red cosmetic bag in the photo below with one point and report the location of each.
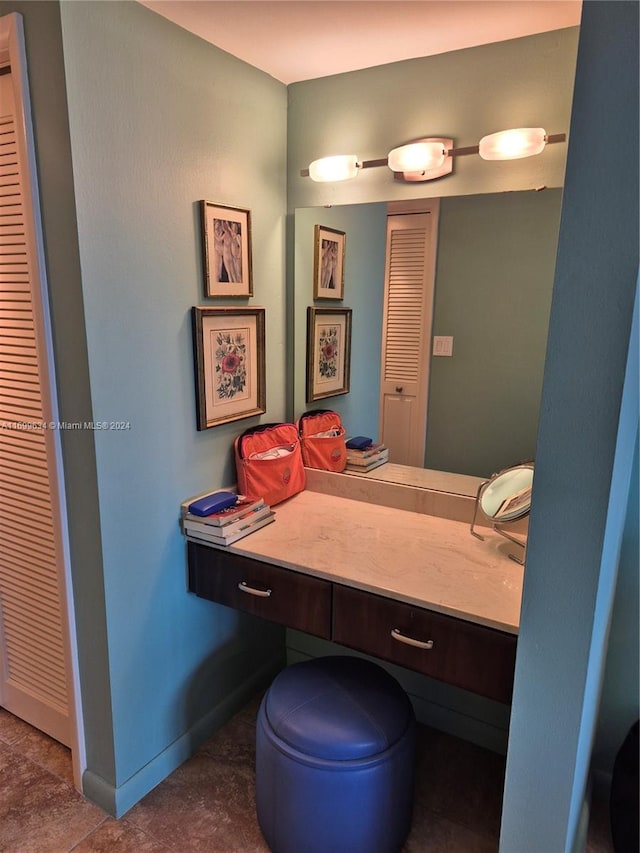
(269, 462)
(323, 440)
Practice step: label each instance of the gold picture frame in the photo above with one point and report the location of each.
(229, 361)
(328, 352)
(226, 250)
(329, 248)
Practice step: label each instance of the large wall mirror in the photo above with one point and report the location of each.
(494, 276)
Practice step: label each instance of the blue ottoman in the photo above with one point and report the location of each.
(335, 746)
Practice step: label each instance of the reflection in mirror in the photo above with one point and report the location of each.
(505, 499)
(494, 275)
(424, 478)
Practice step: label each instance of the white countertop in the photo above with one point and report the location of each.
(420, 559)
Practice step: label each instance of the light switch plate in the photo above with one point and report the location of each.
(443, 345)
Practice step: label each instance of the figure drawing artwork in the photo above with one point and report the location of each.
(328, 263)
(226, 250)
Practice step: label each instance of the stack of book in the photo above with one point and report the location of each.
(367, 459)
(228, 525)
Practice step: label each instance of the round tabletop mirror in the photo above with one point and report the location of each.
(507, 496)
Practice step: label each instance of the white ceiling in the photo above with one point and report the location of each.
(296, 40)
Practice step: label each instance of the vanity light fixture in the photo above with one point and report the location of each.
(513, 144)
(432, 157)
(342, 167)
(422, 160)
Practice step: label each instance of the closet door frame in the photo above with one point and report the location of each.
(409, 286)
(13, 54)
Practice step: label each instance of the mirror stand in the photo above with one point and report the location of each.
(476, 508)
(517, 541)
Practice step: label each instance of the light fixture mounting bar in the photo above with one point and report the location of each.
(461, 152)
(368, 164)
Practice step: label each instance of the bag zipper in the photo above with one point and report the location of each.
(261, 455)
(253, 430)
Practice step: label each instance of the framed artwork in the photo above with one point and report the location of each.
(229, 360)
(328, 352)
(226, 250)
(328, 263)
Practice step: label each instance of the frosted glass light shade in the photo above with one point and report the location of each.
(338, 168)
(513, 144)
(416, 157)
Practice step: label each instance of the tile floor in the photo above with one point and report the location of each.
(207, 804)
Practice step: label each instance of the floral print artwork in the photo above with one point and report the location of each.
(230, 364)
(328, 352)
(229, 360)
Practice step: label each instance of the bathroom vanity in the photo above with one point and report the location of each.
(407, 586)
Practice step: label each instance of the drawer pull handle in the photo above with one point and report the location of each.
(261, 593)
(419, 644)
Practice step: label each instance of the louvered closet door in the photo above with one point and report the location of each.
(33, 660)
(406, 335)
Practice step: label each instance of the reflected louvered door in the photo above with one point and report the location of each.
(406, 334)
(33, 654)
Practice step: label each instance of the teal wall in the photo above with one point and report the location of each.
(158, 120)
(619, 707)
(621, 687)
(495, 263)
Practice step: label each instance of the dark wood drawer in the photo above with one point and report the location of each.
(290, 598)
(461, 653)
